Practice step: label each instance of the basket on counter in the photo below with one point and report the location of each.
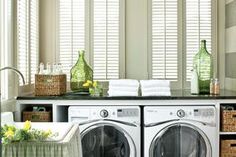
(228, 119)
(228, 148)
(46, 85)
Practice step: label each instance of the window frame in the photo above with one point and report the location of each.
(182, 82)
(8, 79)
(89, 36)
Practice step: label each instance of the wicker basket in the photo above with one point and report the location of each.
(37, 116)
(50, 85)
(228, 148)
(228, 120)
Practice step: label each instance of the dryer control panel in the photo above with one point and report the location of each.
(121, 113)
(204, 112)
(166, 113)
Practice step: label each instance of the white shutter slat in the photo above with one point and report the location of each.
(28, 38)
(106, 39)
(22, 29)
(71, 32)
(164, 39)
(34, 38)
(198, 27)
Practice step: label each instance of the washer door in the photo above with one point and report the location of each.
(180, 140)
(105, 140)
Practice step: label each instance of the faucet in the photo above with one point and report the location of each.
(15, 70)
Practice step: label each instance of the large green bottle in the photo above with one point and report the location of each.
(203, 61)
(80, 73)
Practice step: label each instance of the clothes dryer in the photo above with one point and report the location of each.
(180, 131)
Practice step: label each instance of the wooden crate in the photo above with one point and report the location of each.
(228, 148)
(50, 85)
(37, 116)
(228, 120)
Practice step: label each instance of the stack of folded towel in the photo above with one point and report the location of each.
(123, 87)
(155, 87)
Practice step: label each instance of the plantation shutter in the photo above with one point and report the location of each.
(164, 39)
(27, 38)
(106, 41)
(198, 27)
(23, 38)
(34, 38)
(101, 37)
(71, 32)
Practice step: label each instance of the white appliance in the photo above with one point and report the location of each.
(180, 131)
(108, 131)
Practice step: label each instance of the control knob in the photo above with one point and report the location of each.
(104, 113)
(180, 113)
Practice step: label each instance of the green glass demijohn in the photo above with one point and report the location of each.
(80, 73)
(204, 64)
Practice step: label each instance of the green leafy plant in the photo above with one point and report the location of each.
(11, 134)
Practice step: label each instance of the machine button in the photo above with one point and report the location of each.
(180, 113)
(104, 113)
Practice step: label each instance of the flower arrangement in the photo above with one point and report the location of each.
(11, 134)
(95, 88)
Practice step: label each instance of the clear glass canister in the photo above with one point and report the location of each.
(216, 87)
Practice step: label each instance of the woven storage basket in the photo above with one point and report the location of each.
(228, 148)
(37, 116)
(228, 120)
(50, 84)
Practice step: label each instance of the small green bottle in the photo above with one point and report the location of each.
(80, 73)
(203, 61)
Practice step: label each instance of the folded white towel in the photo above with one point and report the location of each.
(156, 94)
(156, 83)
(156, 89)
(125, 89)
(124, 83)
(122, 93)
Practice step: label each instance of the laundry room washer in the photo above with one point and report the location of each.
(108, 131)
(180, 131)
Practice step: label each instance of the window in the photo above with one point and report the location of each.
(176, 28)
(27, 38)
(97, 27)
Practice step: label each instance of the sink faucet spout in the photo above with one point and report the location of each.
(16, 71)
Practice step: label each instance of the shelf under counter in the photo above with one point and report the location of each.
(227, 133)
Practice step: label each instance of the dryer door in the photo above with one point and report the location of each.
(180, 140)
(107, 140)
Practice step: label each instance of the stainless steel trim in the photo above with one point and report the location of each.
(161, 132)
(172, 120)
(159, 123)
(127, 136)
(108, 120)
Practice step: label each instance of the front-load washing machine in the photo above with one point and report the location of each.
(180, 131)
(108, 131)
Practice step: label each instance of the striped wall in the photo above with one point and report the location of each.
(230, 44)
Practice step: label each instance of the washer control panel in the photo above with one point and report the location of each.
(127, 112)
(203, 112)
